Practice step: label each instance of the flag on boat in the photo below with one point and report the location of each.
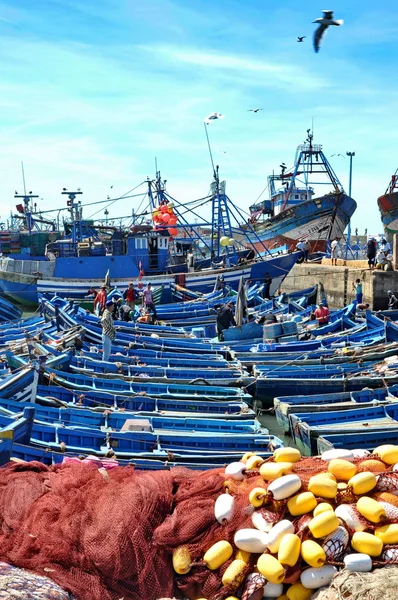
(213, 116)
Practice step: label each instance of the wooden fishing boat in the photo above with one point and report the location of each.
(120, 420)
(307, 427)
(61, 395)
(367, 440)
(286, 405)
(16, 430)
(159, 374)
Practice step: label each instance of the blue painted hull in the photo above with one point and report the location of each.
(307, 427)
(71, 281)
(23, 293)
(287, 405)
(318, 219)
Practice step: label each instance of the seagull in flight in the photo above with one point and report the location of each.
(324, 23)
(301, 38)
(255, 110)
(213, 116)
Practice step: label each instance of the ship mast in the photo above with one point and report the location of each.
(310, 160)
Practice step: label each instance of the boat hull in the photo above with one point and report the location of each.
(388, 207)
(25, 288)
(317, 220)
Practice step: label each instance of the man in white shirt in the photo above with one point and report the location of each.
(301, 246)
(333, 251)
(385, 247)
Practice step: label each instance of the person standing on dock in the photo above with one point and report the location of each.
(108, 331)
(130, 296)
(334, 246)
(100, 300)
(371, 252)
(301, 247)
(147, 300)
(307, 248)
(322, 314)
(385, 247)
(357, 286)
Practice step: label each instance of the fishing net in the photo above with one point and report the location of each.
(110, 534)
(18, 584)
(382, 584)
(91, 534)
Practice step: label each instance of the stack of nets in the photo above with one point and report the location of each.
(91, 535)
(111, 535)
(382, 584)
(18, 584)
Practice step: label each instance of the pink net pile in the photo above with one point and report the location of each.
(92, 535)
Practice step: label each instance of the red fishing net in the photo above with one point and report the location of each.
(92, 535)
(111, 535)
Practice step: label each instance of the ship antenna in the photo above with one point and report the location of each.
(210, 152)
(23, 178)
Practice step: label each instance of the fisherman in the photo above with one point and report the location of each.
(301, 246)
(371, 252)
(130, 295)
(250, 254)
(100, 300)
(190, 261)
(42, 368)
(381, 260)
(307, 248)
(92, 293)
(108, 330)
(147, 300)
(357, 286)
(385, 247)
(334, 246)
(116, 308)
(145, 317)
(392, 301)
(322, 314)
(225, 318)
(267, 286)
(125, 313)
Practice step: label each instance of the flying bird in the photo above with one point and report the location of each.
(255, 110)
(324, 23)
(301, 38)
(213, 116)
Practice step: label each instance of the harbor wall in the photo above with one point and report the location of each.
(338, 282)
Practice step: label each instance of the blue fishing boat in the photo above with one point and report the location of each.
(16, 430)
(9, 311)
(121, 420)
(68, 396)
(367, 440)
(388, 207)
(158, 374)
(306, 428)
(293, 212)
(146, 252)
(286, 405)
(140, 460)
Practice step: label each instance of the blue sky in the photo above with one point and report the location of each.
(91, 92)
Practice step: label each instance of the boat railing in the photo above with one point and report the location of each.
(28, 267)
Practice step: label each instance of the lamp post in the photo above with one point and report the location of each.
(348, 241)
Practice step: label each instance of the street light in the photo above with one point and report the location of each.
(348, 241)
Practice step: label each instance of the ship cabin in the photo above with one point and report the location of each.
(277, 204)
(295, 196)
